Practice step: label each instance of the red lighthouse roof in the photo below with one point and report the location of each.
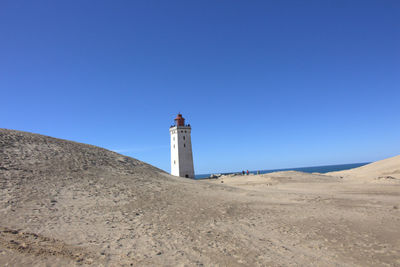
(179, 120)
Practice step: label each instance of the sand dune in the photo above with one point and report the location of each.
(387, 170)
(64, 203)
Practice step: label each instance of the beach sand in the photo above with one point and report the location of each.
(66, 203)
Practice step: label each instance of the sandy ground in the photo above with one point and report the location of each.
(65, 203)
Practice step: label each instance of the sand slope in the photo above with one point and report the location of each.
(64, 203)
(384, 170)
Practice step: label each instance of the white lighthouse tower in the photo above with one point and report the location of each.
(181, 149)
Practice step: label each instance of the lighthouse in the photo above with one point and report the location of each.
(181, 149)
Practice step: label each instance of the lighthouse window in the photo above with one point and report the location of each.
(174, 146)
(174, 138)
(174, 162)
(183, 137)
(184, 145)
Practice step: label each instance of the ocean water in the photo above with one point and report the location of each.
(320, 169)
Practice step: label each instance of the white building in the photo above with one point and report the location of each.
(181, 149)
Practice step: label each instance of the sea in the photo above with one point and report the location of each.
(320, 169)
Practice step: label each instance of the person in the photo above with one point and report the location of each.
(247, 172)
(243, 172)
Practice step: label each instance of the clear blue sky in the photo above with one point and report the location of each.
(264, 84)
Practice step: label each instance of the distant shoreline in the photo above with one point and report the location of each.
(319, 169)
